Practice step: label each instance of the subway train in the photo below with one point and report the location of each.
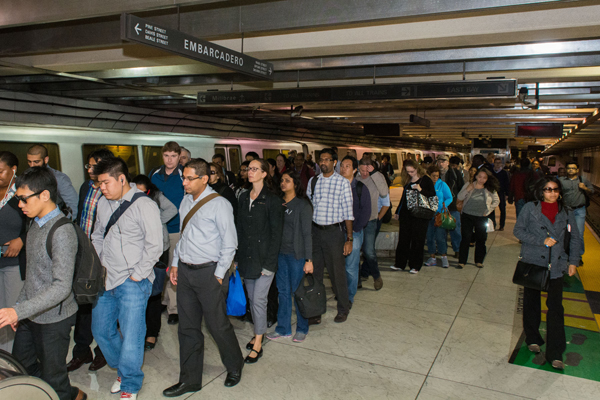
(68, 147)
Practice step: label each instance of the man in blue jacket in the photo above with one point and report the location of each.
(169, 180)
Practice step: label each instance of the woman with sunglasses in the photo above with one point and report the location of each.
(217, 182)
(12, 237)
(260, 227)
(295, 256)
(541, 227)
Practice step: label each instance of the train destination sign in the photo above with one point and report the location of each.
(142, 31)
(501, 88)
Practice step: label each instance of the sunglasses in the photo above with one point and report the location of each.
(549, 190)
(25, 198)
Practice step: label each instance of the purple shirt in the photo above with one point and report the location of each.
(362, 208)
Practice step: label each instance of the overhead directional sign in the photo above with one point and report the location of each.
(142, 31)
(502, 88)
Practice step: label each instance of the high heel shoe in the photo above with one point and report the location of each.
(250, 360)
(250, 344)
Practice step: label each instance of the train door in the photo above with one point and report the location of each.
(232, 154)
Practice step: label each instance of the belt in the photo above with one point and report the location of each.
(199, 266)
(327, 227)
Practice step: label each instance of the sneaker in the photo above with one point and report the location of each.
(394, 268)
(299, 337)
(275, 335)
(445, 263)
(431, 262)
(534, 348)
(116, 387)
(414, 271)
(378, 284)
(125, 395)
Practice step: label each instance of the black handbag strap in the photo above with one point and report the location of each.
(119, 211)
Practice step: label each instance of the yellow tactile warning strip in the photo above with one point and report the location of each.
(589, 272)
(577, 311)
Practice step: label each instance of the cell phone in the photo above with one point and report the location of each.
(4, 249)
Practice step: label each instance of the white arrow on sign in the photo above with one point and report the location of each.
(137, 28)
(270, 71)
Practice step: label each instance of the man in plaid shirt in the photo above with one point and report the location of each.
(331, 197)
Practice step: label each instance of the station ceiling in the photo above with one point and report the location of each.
(74, 49)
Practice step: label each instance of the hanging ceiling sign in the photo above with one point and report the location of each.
(504, 88)
(135, 29)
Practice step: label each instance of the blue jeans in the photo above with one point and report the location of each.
(579, 215)
(455, 235)
(369, 265)
(125, 350)
(436, 236)
(289, 276)
(352, 264)
(519, 204)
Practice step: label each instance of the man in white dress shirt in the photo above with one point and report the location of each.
(200, 264)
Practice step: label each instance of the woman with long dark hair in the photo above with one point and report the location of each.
(480, 198)
(241, 184)
(260, 226)
(411, 240)
(12, 236)
(217, 182)
(541, 227)
(167, 212)
(295, 255)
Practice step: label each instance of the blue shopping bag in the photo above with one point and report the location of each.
(236, 299)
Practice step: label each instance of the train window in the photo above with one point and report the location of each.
(128, 153)
(394, 161)
(235, 158)
(152, 157)
(19, 149)
(270, 153)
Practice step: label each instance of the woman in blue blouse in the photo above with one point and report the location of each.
(437, 235)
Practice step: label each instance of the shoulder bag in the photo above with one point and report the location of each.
(420, 206)
(533, 276)
(311, 299)
(193, 211)
(445, 220)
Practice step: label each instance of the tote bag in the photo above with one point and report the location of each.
(236, 299)
(420, 206)
(311, 299)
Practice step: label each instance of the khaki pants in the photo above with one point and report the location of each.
(170, 291)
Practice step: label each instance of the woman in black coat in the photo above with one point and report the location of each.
(541, 227)
(413, 230)
(260, 227)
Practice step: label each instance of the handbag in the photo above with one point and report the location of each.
(445, 220)
(420, 206)
(311, 299)
(236, 298)
(489, 227)
(533, 276)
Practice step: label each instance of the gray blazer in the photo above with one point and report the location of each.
(533, 227)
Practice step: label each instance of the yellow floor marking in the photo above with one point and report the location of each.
(590, 272)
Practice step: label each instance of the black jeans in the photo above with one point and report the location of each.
(199, 295)
(555, 319)
(411, 241)
(153, 312)
(502, 207)
(43, 349)
(468, 222)
(83, 333)
(328, 252)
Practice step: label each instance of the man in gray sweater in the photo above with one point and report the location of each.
(46, 307)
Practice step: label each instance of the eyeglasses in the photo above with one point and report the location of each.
(88, 166)
(254, 169)
(191, 178)
(25, 198)
(243, 169)
(549, 190)
(213, 172)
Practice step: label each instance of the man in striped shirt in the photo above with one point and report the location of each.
(89, 194)
(331, 196)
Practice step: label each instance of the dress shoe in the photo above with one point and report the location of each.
(340, 318)
(378, 283)
(98, 363)
(81, 395)
(314, 321)
(233, 378)
(250, 344)
(558, 364)
(149, 345)
(76, 363)
(173, 319)
(253, 360)
(181, 388)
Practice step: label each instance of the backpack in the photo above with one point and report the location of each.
(89, 273)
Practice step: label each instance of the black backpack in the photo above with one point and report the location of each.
(89, 273)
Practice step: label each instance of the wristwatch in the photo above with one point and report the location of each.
(350, 239)
(307, 260)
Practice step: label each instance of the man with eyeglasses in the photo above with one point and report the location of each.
(575, 192)
(331, 196)
(45, 309)
(200, 267)
(89, 194)
(37, 156)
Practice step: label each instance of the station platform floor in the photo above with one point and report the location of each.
(440, 334)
